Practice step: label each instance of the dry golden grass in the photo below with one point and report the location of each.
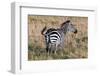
(76, 45)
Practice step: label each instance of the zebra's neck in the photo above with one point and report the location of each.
(64, 29)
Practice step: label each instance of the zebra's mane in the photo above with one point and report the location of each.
(64, 25)
(68, 21)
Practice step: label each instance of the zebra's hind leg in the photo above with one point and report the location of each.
(50, 49)
(54, 48)
(47, 48)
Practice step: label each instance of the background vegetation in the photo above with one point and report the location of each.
(76, 45)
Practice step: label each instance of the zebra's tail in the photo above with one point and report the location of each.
(42, 32)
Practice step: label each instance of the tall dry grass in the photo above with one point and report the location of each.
(75, 45)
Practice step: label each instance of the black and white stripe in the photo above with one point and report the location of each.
(53, 37)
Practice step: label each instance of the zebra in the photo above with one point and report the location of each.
(55, 37)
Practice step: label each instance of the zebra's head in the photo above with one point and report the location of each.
(67, 26)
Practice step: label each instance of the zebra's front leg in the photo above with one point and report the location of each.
(46, 49)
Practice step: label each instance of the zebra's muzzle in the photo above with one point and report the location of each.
(75, 31)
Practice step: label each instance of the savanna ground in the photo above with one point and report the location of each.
(75, 45)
